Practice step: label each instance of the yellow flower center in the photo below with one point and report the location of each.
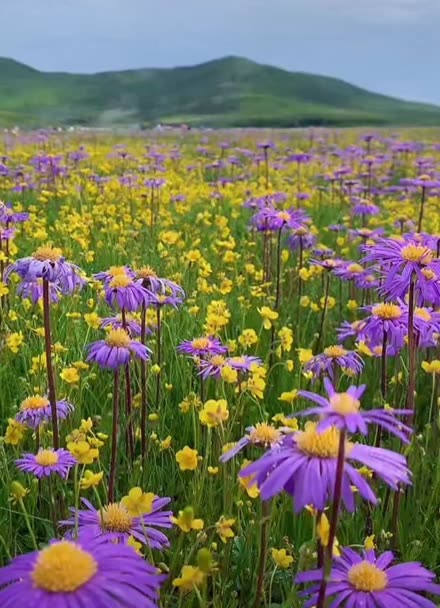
(114, 271)
(417, 253)
(121, 280)
(387, 311)
(217, 360)
(116, 518)
(344, 404)
(47, 253)
(46, 458)
(302, 231)
(146, 273)
(265, 433)
(356, 268)
(284, 215)
(335, 351)
(367, 577)
(320, 445)
(118, 338)
(238, 360)
(34, 403)
(63, 568)
(422, 313)
(200, 343)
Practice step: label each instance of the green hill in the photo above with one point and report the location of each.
(226, 92)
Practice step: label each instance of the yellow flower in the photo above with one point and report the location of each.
(304, 301)
(70, 375)
(224, 528)
(229, 374)
(289, 396)
(214, 412)
(191, 577)
(134, 544)
(281, 558)
(138, 502)
(14, 432)
(255, 385)
(86, 426)
(83, 452)
(364, 349)
(286, 336)
(290, 365)
(213, 470)
(18, 492)
(186, 520)
(165, 444)
(248, 337)
(91, 479)
(248, 484)
(323, 529)
(153, 417)
(352, 305)
(14, 341)
(431, 367)
(268, 315)
(369, 543)
(39, 363)
(92, 319)
(187, 459)
(4, 290)
(304, 355)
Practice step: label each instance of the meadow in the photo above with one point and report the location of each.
(171, 305)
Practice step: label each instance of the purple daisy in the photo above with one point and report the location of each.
(131, 325)
(47, 462)
(305, 464)
(35, 410)
(48, 263)
(202, 347)
(114, 522)
(88, 573)
(108, 275)
(350, 271)
(211, 366)
(243, 363)
(349, 330)
(332, 357)
(371, 581)
(386, 322)
(270, 218)
(147, 277)
(342, 410)
(262, 433)
(33, 291)
(426, 325)
(124, 293)
(116, 350)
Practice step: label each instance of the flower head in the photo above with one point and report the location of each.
(117, 349)
(35, 410)
(47, 462)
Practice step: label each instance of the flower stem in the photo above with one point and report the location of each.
(50, 372)
(128, 400)
(159, 356)
(411, 349)
(324, 312)
(115, 430)
(28, 524)
(337, 495)
(422, 206)
(144, 405)
(264, 540)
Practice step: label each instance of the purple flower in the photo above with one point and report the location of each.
(149, 279)
(349, 330)
(33, 290)
(211, 366)
(349, 271)
(243, 363)
(326, 362)
(369, 580)
(82, 574)
(36, 409)
(305, 464)
(343, 411)
(116, 350)
(114, 522)
(48, 263)
(124, 293)
(262, 433)
(47, 462)
(202, 347)
(301, 238)
(386, 320)
(131, 325)
(270, 218)
(114, 271)
(365, 207)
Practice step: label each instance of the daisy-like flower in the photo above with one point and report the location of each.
(108, 275)
(270, 218)
(426, 325)
(343, 411)
(371, 581)
(47, 462)
(116, 350)
(349, 330)
(131, 325)
(202, 347)
(401, 260)
(115, 522)
(126, 294)
(211, 366)
(301, 238)
(350, 271)
(88, 573)
(263, 434)
(243, 363)
(336, 355)
(148, 278)
(386, 320)
(48, 263)
(304, 465)
(35, 410)
(33, 291)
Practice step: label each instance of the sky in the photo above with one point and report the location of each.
(389, 46)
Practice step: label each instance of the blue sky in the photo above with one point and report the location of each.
(390, 46)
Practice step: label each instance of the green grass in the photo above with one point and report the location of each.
(227, 92)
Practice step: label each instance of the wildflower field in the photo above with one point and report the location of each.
(219, 369)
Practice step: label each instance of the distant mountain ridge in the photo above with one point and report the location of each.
(227, 92)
